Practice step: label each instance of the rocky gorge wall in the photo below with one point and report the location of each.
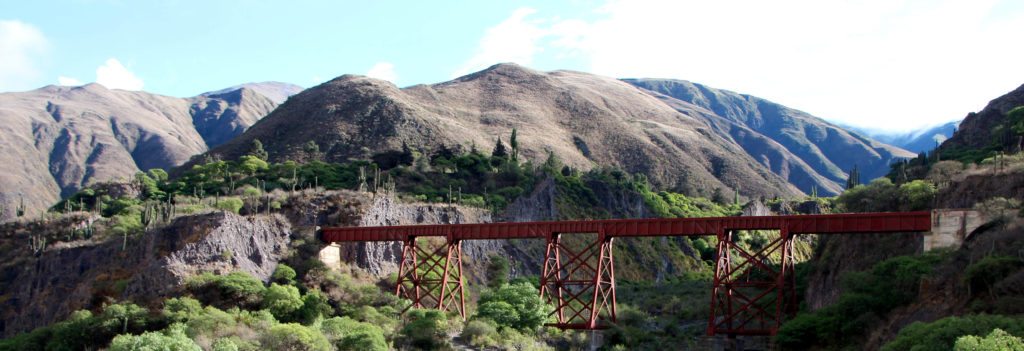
(47, 287)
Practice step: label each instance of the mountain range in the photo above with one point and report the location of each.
(922, 140)
(57, 139)
(682, 136)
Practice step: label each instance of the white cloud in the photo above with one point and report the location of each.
(68, 81)
(884, 64)
(113, 75)
(513, 40)
(21, 47)
(383, 71)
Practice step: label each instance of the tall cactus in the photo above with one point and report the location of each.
(20, 211)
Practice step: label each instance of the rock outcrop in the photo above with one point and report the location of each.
(66, 278)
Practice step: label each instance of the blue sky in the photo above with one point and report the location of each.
(885, 64)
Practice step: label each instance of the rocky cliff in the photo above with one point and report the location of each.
(83, 275)
(57, 279)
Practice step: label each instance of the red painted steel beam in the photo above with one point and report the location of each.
(798, 224)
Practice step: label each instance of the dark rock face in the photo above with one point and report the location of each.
(978, 130)
(806, 150)
(61, 280)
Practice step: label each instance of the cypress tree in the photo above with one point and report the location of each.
(499, 150)
(514, 144)
(854, 178)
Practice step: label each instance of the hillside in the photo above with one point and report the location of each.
(988, 130)
(802, 148)
(58, 139)
(585, 120)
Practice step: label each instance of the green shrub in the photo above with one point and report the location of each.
(943, 333)
(182, 309)
(230, 204)
(282, 301)
(173, 339)
(348, 334)
(283, 274)
(997, 340)
(989, 270)
(294, 337)
(224, 344)
(516, 305)
(481, 333)
(314, 306)
(235, 289)
(425, 329)
(917, 195)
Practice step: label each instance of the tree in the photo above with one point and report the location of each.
(517, 305)
(282, 301)
(1016, 120)
(256, 150)
(917, 195)
(514, 143)
(283, 274)
(314, 306)
(252, 164)
(312, 151)
(499, 150)
(718, 196)
(182, 309)
(406, 157)
(497, 271)
(854, 179)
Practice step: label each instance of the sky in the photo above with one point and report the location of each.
(891, 65)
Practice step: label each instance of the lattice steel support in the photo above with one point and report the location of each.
(580, 284)
(752, 291)
(432, 279)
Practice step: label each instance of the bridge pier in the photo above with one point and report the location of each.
(432, 279)
(580, 284)
(752, 291)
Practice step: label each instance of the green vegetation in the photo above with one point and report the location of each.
(997, 340)
(517, 306)
(867, 296)
(172, 339)
(882, 195)
(943, 334)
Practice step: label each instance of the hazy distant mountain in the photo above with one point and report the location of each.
(918, 141)
(587, 120)
(277, 92)
(57, 139)
(802, 148)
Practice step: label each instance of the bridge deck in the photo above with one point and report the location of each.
(797, 224)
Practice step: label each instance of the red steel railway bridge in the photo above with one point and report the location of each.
(752, 290)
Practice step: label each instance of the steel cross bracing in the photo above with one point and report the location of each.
(752, 291)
